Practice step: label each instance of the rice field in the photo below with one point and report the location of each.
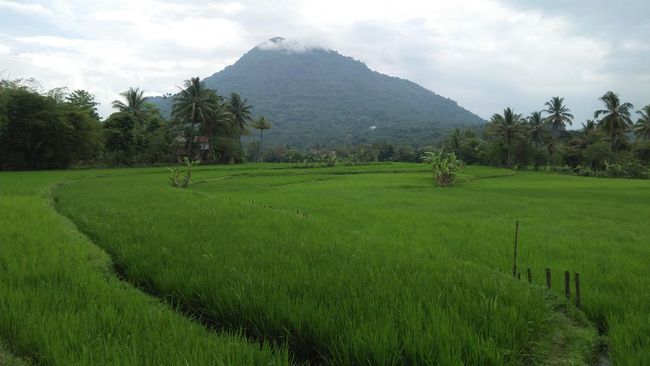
(269, 264)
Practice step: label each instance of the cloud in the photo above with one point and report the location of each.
(25, 8)
(485, 54)
(288, 46)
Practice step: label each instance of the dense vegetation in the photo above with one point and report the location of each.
(57, 129)
(612, 145)
(46, 131)
(372, 265)
(319, 97)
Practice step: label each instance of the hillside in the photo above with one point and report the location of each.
(318, 96)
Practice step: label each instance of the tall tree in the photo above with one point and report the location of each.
(134, 102)
(616, 118)
(240, 112)
(537, 128)
(85, 101)
(508, 127)
(195, 103)
(559, 115)
(642, 126)
(261, 124)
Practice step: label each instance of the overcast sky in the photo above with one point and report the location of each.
(485, 54)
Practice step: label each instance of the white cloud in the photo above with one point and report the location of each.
(16, 6)
(485, 54)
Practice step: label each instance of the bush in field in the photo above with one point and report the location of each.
(175, 173)
(445, 167)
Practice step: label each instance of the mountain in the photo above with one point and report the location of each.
(317, 96)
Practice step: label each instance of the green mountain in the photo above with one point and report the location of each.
(318, 96)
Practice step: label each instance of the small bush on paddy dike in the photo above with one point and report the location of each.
(175, 173)
(445, 167)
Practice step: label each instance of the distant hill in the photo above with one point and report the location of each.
(318, 96)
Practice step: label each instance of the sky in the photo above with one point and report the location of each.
(485, 54)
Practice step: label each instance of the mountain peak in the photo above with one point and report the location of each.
(316, 96)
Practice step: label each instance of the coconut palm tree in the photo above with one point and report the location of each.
(642, 126)
(261, 124)
(508, 127)
(616, 117)
(559, 115)
(537, 128)
(134, 101)
(194, 103)
(240, 112)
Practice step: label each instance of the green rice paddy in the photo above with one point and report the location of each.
(374, 265)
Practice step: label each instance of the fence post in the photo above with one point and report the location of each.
(577, 279)
(530, 276)
(548, 278)
(514, 262)
(567, 284)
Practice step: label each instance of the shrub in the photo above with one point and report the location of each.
(175, 173)
(445, 167)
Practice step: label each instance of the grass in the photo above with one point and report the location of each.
(62, 304)
(343, 265)
(374, 265)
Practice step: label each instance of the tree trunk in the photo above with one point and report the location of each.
(261, 140)
(241, 153)
(190, 141)
(509, 155)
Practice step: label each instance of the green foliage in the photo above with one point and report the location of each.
(615, 119)
(445, 167)
(197, 104)
(558, 114)
(261, 124)
(507, 127)
(642, 126)
(318, 159)
(42, 132)
(85, 101)
(143, 138)
(358, 157)
(133, 101)
(175, 173)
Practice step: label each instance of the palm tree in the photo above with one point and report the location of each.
(240, 112)
(134, 101)
(559, 114)
(642, 126)
(616, 117)
(537, 128)
(261, 124)
(508, 127)
(195, 103)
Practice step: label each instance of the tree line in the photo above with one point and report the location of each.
(610, 144)
(58, 129)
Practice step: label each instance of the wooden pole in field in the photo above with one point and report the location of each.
(514, 262)
(548, 278)
(567, 284)
(530, 275)
(577, 279)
